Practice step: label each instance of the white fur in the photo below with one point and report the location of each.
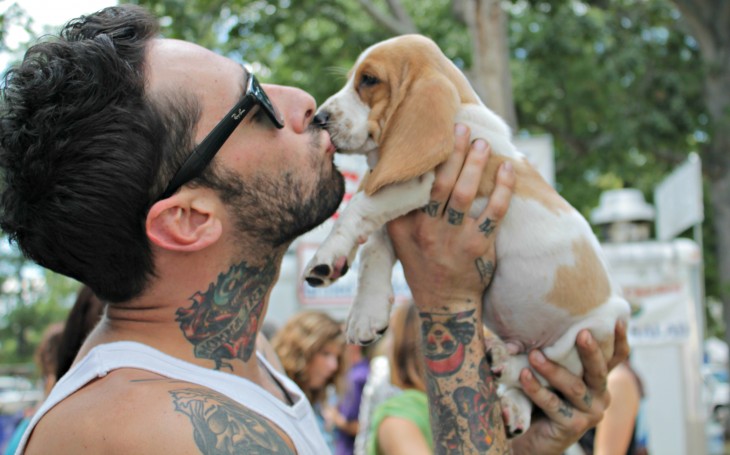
(532, 243)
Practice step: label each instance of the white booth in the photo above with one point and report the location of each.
(662, 282)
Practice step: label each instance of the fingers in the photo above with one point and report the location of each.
(551, 404)
(447, 173)
(595, 371)
(499, 199)
(572, 387)
(621, 347)
(467, 184)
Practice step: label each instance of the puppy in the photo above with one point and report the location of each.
(398, 108)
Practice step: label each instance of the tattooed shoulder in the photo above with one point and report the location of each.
(223, 426)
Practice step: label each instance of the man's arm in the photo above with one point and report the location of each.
(448, 258)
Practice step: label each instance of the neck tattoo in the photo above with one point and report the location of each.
(223, 321)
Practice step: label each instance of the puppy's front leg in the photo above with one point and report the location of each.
(370, 311)
(362, 216)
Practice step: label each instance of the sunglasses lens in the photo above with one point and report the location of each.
(266, 103)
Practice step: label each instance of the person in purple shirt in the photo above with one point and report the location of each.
(345, 419)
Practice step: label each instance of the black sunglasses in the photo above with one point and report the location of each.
(208, 147)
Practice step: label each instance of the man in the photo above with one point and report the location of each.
(119, 172)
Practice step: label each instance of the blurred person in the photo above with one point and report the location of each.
(46, 360)
(83, 317)
(376, 390)
(345, 415)
(400, 425)
(46, 355)
(620, 431)
(310, 347)
(176, 183)
(269, 329)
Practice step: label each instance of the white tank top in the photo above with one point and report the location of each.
(297, 421)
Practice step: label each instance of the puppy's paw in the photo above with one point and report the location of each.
(368, 321)
(321, 274)
(516, 411)
(497, 355)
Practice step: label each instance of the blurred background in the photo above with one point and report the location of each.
(623, 105)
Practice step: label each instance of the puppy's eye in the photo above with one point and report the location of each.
(367, 80)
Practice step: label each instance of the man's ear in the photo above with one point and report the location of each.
(186, 221)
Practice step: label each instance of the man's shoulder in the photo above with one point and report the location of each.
(132, 411)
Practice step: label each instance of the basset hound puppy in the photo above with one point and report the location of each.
(398, 108)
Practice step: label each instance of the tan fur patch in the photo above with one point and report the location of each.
(581, 287)
(529, 184)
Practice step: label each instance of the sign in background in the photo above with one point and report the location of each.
(678, 199)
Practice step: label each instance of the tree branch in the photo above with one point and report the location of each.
(698, 14)
(458, 9)
(400, 13)
(392, 24)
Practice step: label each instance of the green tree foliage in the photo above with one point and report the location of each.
(618, 89)
(310, 43)
(31, 299)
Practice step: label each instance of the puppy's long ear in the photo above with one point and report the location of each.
(419, 135)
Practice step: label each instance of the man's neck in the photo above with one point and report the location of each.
(222, 321)
(210, 321)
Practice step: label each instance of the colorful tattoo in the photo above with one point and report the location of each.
(432, 208)
(485, 269)
(480, 409)
(445, 337)
(444, 424)
(455, 217)
(222, 322)
(222, 426)
(487, 227)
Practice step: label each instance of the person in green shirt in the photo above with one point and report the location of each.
(401, 423)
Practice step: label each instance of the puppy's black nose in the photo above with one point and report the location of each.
(321, 119)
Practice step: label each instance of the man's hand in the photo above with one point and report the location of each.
(448, 256)
(584, 399)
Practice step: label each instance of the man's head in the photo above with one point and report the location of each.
(96, 123)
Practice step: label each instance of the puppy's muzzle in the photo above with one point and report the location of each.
(321, 119)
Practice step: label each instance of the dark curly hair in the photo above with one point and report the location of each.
(84, 149)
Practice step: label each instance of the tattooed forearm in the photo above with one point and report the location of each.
(223, 426)
(455, 217)
(445, 432)
(479, 406)
(222, 321)
(445, 337)
(466, 416)
(432, 208)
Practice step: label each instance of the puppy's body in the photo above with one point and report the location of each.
(399, 107)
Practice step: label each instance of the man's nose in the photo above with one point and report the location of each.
(296, 106)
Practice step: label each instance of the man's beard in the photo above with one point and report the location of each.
(280, 211)
(276, 209)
